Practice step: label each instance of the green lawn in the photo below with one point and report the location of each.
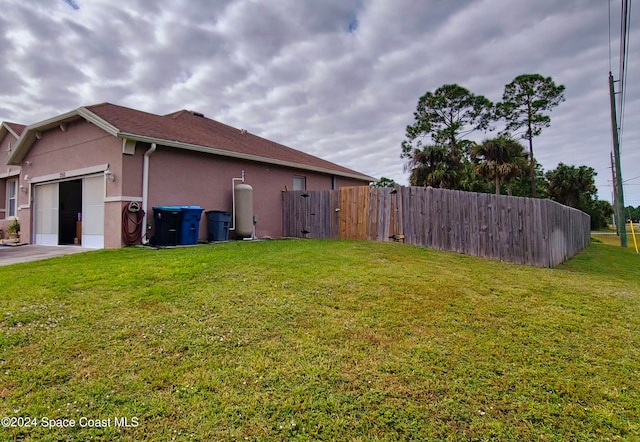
(320, 340)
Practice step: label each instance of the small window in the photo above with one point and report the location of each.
(299, 183)
(12, 197)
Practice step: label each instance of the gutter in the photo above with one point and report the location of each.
(145, 191)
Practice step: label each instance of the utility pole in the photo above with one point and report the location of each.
(620, 218)
(615, 195)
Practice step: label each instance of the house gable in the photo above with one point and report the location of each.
(9, 135)
(34, 132)
(14, 129)
(74, 146)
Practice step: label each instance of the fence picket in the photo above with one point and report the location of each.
(521, 230)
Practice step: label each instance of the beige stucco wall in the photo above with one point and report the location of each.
(176, 177)
(179, 177)
(113, 225)
(132, 170)
(79, 146)
(7, 142)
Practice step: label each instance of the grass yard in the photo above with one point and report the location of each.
(320, 340)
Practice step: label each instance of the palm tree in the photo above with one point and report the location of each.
(501, 160)
(434, 166)
(470, 181)
(572, 186)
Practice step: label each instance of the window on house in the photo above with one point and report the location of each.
(299, 183)
(12, 197)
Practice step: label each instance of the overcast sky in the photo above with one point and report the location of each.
(339, 79)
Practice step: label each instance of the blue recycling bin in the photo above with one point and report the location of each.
(167, 222)
(218, 225)
(190, 225)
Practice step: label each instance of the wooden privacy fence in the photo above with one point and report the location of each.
(528, 231)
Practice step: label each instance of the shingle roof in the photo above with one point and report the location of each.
(194, 129)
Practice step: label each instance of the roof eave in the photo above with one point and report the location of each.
(101, 123)
(243, 156)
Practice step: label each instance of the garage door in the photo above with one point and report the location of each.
(93, 212)
(46, 200)
(47, 212)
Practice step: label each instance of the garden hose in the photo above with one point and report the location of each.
(132, 218)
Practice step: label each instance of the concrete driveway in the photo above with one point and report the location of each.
(13, 255)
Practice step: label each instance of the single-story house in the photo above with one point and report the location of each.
(69, 178)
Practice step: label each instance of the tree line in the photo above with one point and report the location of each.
(438, 152)
(633, 213)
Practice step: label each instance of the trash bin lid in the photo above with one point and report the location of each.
(192, 208)
(168, 208)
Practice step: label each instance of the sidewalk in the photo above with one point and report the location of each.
(30, 252)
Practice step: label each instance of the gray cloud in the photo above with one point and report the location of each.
(295, 72)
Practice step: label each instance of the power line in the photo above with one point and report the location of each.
(625, 25)
(616, 125)
(609, 35)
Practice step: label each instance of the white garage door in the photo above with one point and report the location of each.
(46, 200)
(93, 212)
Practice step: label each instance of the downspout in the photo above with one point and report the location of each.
(145, 191)
(233, 200)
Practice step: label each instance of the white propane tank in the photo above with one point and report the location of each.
(244, 210)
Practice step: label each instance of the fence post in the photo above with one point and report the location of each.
(521, 230)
